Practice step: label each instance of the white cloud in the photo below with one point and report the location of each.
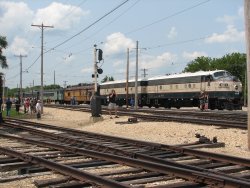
(118, 63)
(241, 12)
(226, 19)
(191, 56)
(87, 70)
(172, 33)
(230, 35)
(14, 16)
(117, 42)
(56, 14)
(20, 46)
(160, 61)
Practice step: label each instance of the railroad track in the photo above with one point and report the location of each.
(223, 119)
(93, 160)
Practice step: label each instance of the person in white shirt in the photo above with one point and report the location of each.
(38, 109)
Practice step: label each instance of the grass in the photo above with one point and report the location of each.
(13, 113)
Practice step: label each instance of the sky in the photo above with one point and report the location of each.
(170, 34)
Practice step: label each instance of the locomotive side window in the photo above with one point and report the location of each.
(189, 86)
(68, 94)
(160, 87)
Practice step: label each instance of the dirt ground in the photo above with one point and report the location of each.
(169, 133)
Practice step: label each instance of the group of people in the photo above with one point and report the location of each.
(30, 105)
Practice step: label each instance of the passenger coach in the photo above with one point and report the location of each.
(80, 93)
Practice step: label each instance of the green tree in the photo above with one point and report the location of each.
(3, 45)
(235, 63)
(199, 64)
(52, 86)
(107, 78)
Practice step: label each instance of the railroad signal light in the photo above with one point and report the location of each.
(100, 55)
(1, 81)
(100, 71)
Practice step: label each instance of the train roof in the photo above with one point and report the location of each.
(180, 75)
(186, 74)
(122, 81)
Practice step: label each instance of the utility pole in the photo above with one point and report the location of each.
(144, 73)
(33, 89)
(41, 90)
(136, 77)
(245, 90)
(247, 33)
(3, 78)
(127, 76)
(65, 83)
(54, 77)
(95, 70)
(21, 74)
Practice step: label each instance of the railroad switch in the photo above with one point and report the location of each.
(132, 120)
(204, 139)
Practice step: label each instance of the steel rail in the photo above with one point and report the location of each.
(110, 149)
(183, 150)
(176, 116)
(242, 115)
(66, 170)
(191, 175)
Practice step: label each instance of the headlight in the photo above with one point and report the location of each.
(223, 85)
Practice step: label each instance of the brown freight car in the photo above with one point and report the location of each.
(78, 94)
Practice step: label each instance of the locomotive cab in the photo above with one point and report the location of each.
(227, 91)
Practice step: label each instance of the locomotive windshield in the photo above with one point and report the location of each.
(224, 75)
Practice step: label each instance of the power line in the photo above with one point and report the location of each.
(105, 15)
(170, 16)
(79, 32)
(74, 8)
(178, 42)
(88, 37)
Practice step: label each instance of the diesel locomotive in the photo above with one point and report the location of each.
(181, 90)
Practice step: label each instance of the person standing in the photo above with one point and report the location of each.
(17, 104)
(8, 107)
(132, 102)
(38, 109)
(112, 104)
(201, 100)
